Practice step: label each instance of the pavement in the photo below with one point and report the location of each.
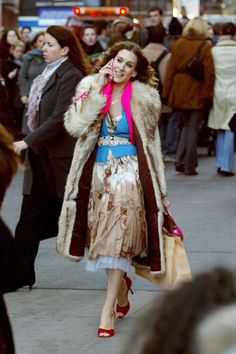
(61, 313)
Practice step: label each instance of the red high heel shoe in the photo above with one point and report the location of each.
(125, 309)
(108, 332)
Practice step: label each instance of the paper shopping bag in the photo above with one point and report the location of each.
(177, 265)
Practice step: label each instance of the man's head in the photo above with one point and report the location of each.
(156, 16)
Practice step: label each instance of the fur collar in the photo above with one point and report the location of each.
(144, 101)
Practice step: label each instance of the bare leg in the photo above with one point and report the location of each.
(114, 279)
(122, 295)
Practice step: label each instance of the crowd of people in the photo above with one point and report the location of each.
(197, 110)
(92, 118)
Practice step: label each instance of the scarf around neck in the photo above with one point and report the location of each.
(125, 100)
(36, 91)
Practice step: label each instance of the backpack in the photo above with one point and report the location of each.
(155, 64)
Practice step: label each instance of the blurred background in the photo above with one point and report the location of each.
(41, 14)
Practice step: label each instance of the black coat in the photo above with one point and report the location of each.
(6, 338)
(50, 141)
(12, 266)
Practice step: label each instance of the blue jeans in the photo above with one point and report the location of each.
(225, 150)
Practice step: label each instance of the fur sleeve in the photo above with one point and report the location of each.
(84, 111)
(146, 99)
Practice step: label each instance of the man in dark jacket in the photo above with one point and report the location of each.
(156, 20)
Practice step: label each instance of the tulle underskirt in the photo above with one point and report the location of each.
(108, 262)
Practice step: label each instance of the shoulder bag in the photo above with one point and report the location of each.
(195, 67)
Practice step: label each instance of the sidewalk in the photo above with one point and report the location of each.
(60, 315)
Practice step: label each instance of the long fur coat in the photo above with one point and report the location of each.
(83, 121)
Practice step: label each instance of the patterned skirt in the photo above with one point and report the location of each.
(116, 215)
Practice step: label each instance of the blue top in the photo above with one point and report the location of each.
(121, 130)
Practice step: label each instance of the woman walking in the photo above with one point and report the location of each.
(33, 65)
(224, 103)
(49, 147)
(116, 189)
(187, 94)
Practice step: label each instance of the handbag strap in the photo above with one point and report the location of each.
(198, 51)
(161, 56)
(196, 54)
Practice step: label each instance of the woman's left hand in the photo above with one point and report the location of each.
(19, 146)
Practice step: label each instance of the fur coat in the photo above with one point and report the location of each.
(83, 121)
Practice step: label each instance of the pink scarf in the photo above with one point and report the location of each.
(125, 100)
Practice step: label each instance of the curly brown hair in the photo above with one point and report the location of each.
(169, 326)
(9, 160)
(145, 72)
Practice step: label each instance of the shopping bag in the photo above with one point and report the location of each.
(177, 265)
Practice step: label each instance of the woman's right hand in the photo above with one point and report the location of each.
(105, 75)
(24, 99)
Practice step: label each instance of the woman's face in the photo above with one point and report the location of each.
(90, 36)
(124, 66)
(11, 37)
(18, 52)
(40, 41)
(52, 50)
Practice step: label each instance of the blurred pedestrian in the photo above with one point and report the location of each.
(9, 37)
(32, 65)
(49, 147)
(123, 30)
(6, 337)
(159, 56)
(10, 268)
(12, 265)
(25, 36)
(188, 94)
(17, 51)
(102, 32)
(175, 30)
(115, 195)
(216, 333)
(91, 44)
(224, 103)
(156, 19)
(163, 330)
(9, 89)
(173, 128)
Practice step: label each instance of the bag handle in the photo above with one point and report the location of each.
(171, 226)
